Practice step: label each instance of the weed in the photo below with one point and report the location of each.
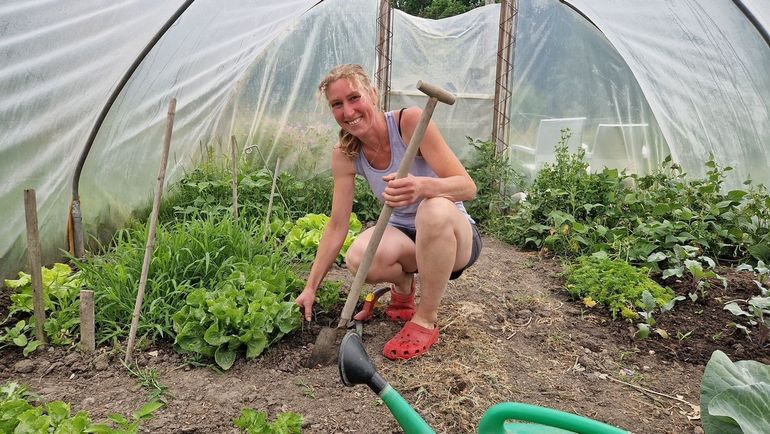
(148, 378)
(307, 389)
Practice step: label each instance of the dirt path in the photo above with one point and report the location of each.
(508, 334)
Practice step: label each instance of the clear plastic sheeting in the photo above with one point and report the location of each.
(277, 109)
(62, 60)
(703, 69)
(458, 54)
(628, 81)
(571, 86)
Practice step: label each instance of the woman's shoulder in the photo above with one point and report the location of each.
(342, 163)
(410, 116)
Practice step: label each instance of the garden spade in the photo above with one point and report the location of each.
(325, 349)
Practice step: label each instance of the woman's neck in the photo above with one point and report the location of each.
(377, 136)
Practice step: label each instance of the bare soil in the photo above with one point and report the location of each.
(508, 333)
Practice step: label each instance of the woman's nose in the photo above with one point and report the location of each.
(347, 109)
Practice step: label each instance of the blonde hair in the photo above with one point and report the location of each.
(349, 144)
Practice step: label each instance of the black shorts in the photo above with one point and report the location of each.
(475, 248)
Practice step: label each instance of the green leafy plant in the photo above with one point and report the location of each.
(495, 179)
(17, 335)
(252, 308)
(23, 412)
(303, 238)
(734, 397)
(61, 289)
(256, 422)
(148, 378)
(188, 254)
(617, 285)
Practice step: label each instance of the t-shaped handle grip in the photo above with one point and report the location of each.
(436, 92)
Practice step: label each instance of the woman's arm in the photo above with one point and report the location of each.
(453, 181)
(343, 171)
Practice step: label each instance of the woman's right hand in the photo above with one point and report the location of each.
(305, 301)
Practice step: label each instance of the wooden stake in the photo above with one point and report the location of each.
(234, 152)
(151, 232)
(87, 335)
(272, 195)
(35, 263)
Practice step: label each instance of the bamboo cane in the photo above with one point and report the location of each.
(151, 232)
(234, 152)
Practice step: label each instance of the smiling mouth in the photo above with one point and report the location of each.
(354, 122)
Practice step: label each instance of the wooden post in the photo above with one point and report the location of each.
(35, 263)
(87, 335)
(151, 232)
(234, 152)
(272, 195)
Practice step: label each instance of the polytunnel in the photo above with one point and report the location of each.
(649, 78)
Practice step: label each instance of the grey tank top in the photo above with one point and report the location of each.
(402, 216)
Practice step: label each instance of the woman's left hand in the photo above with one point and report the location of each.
(401, 192)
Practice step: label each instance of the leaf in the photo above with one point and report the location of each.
(147, 410)
(643, 332)
(648, 301)
(760, 252)
(735, 407)
(31, 347)
(224, 357)
(657, 257)
(58, 410)
(747, 405)
(735, 309)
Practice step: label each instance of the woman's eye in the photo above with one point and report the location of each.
(355, 98)
(336, 104)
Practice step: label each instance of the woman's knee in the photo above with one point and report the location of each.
(436, 213)
(355, 254)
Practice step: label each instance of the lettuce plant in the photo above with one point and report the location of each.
(250, 309)
(302, 240)
(255, 422)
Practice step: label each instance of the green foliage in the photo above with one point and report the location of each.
(61, 300)
(252, 308)
(437, 9)
(18, 335)
(303, 238)
(328, 295)
(19, 415)
(756, 309)
(494, 178)
(734, 397)
(256, 422)
(615, 284)
(187, 255)
(207, 191)
(148, 378)
(647, 220)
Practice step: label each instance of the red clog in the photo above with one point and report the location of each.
(401, 307)
(413, 340)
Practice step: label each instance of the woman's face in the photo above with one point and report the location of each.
(353, 109)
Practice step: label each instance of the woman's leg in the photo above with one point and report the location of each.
(444, 242)
(394, 261)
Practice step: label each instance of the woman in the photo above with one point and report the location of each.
(429, 230)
